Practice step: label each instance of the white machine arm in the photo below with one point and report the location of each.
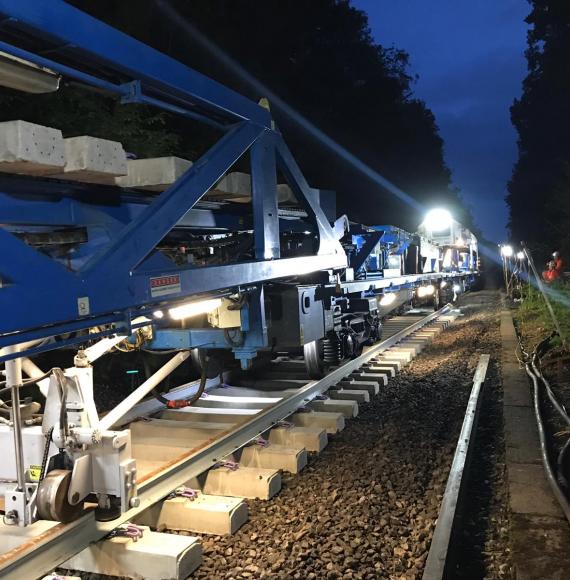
(72, 449)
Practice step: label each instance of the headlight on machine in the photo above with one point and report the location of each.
(387, 299)
(194, 308)
(424, 291)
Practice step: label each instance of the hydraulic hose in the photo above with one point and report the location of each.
(555, 403)
(552, 480)
(563, 465)
(533, 372)
(28, 382)
(182, 403)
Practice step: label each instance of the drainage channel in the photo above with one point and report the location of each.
(265, 432)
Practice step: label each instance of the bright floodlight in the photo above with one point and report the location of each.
(507, 251)
(387, 299)
(520, 255)
(194, 308)
(424, 291)
(437, 220)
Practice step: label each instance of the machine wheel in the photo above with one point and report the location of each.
(437, 303)
(111, 511)
(313, 359)
(461, 290)
(52, 499)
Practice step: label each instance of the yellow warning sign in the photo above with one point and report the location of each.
(35, 472)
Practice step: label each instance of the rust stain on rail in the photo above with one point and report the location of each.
(185, 455)
(32, 543)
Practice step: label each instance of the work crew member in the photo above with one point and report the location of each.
(555, 268)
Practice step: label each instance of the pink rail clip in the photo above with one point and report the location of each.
(233, 465)
(186, 492)
(128, 530)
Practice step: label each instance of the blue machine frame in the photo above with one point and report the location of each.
(367, 238)
(109, 280)
(39, 296)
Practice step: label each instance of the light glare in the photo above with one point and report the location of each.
(507, 251)
(437, 220)
(194, 308)
(424, 291)
(387, 299)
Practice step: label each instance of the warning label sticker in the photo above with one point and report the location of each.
(164, 285)
(35, 472)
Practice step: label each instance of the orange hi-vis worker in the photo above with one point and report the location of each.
(555, 268)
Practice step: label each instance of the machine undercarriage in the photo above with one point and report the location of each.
(187, 261)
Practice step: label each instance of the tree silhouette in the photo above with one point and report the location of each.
(318, 56)
(539, 192)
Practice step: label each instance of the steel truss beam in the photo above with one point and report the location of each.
(42, 297)
(106, 58)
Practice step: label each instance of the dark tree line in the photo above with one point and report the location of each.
(320, 57)
(539, 197)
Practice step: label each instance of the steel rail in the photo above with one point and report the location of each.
(439, 549)
(55, 546)
(387, 283)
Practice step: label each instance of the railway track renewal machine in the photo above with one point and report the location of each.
(222, 262)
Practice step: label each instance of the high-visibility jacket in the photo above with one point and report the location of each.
(556, 273)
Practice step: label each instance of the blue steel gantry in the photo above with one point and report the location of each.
(112, 283)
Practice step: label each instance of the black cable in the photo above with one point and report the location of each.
(558, 481)
(550, 476)
(61, 382)
(151, 351)
(26, 383)
(45, 458)
(540, 349)
(148, 373)
(181, 403)
(237, 304)
(229, 339)
(559, 407)
(563, 465)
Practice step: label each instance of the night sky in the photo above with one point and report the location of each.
(470, 60)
